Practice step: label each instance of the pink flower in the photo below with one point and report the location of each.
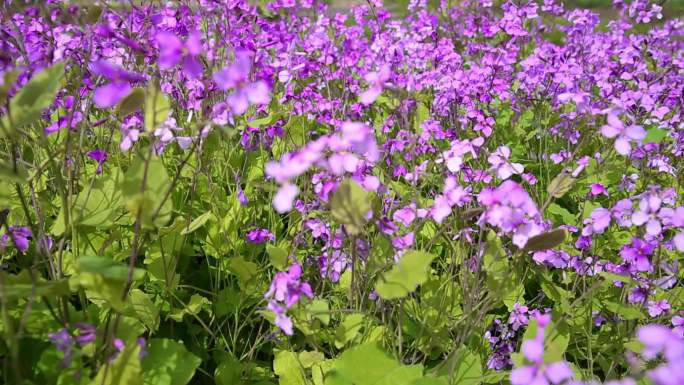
(615, 128)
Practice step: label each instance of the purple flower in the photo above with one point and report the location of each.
(284, 198)
(500, 164)
(284, 292)
(518, 317)
(281, 320)
(648, 213)
(596, 189)
(597, 223)
(86, 333)
(615, 128)
(333, 264)
(287, 288)
(511, 209)
(64, 343)
(173, 51)
(100, 156)
(19, 235)
(657, 308)
(638, 253)
(259, 236)
(236, 77)
(376, 80)
(119, 83)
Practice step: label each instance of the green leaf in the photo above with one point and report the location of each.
(168, 363)
(348, 329)
(655, 135)
(157, 108)
(278, 256)
(246, 271)
(104, 279)
(228, 372)
(318, 309)
(288, 368)
(411, 271)
(96, 208)
(146, 200)
(626, 312)
(125, 369)
(567, 218)
(467, 367)
(369, 365)
(141, 307)
(21, 286)
(197, 223)
(131, 103)
(349, 205)
(38, 94)
(546, 241)
(560, 185)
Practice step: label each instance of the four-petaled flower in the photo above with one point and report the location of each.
(236, 77)
(119, 85)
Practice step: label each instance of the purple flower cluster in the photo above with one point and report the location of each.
(285, 291)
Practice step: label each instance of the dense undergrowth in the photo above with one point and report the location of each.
(204, 192)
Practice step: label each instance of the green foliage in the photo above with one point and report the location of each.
(146, 188)
(349, 205)
(157, 107)
(411, 271)
(369, 365)
(168, 363)
(125, 369)
(38, 94)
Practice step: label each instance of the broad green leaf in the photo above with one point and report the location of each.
(157, 108)
(545, 241)
(38, 94)
(131, 103)
(369, 365)
(308, 359)
(349, 205)
(567, 218)
(467, 367)
(288, 368)
(22, 286)
(348, 329)
(168, 363)
(141, 307)
(193, 307)
(411, 271)
(145, 199)
(228, 372)
(245, 270)
(318, 309)
(626, 312)
(96, 208)
(655, 135)
(560, 185)
(278, 256)
(125, 369)
(104, 279)
(197, 223)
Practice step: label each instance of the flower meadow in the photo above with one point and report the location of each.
(230, 192)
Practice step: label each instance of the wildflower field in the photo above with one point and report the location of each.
(281, 192)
